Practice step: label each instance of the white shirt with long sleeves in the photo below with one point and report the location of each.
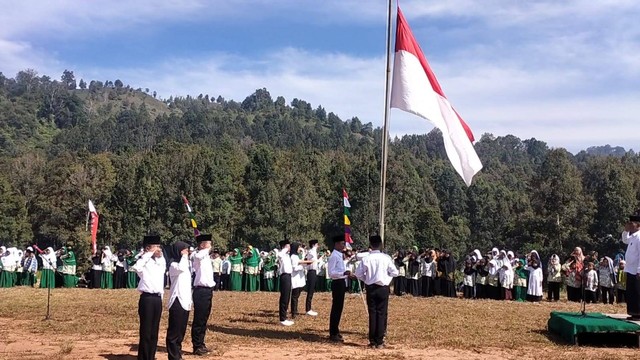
(151, 270)
(312, 255)
(377, 268)
(632, 256)
(592, 281)
(336, 267)
(534, 287)
(180, 276)
(226, 267)
(203, 269)
(284, 263)
(297, 275)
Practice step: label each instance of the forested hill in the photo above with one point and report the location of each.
(265, 169)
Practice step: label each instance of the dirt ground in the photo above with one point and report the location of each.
(103, 324)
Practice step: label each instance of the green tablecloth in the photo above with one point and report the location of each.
(568, 325)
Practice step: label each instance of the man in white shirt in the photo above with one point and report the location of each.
(631, 237)
(150, 268)
(216, 263)
(338, 273)
(377, 270)
(202, 293)
(285, 269)
(226, 273)
(312, 272)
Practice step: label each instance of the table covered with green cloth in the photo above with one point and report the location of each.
(569, 324)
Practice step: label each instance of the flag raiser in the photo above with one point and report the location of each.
(415, 89)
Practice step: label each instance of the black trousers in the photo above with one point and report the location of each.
(378, 304)
(226, 281)
(178, 319)
(481, 291)
(620, 298)
(633, 295)
(149, 311)
(96, 279)
(574, 293)
(311, 288)
(295, 295)
(338, 288)
(218, 279)
(202, 297)
(285, 295)
(118, 278)
(427, 286)
(467, 292)
(553, 293)
(607, 295)
(590, 296)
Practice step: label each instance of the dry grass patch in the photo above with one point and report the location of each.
(103, 324)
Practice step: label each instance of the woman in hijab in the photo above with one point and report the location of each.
(506, 280)
(180, 298)
(520, 277)
(534, 289)
(493, 280)
(236, 270)
(48, 274)
(481, 279)
(448, 275)
(399, 282)
(107, 268)
(413, 275)
(607, 279)
(96, 270)
(428, 271)
(8, 274)
(554, 278)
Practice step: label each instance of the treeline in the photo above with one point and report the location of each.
(261, 170)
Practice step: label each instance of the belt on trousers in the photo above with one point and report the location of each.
(145, 294)
(204, 287)
(375, 286)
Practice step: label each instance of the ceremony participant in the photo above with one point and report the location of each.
(376, 271)
(252, 270)
(225, 277)
(482, 274)
(150, 267)
(284, 269)
(312, 273)
(96, 271)
(48, 273)
(631, 237)
(180, 299)
(534, 289)
(621, 287)
(554, 278)
(132, 277)
(203, 285)
(119, 276)
(506, 280)
(520, 281)
(107, 268)
(591, 284)
(400, 281)
(428, 273)
(607, 280)
(573, 278)
(493, 280)
(235, 279)
(338, 274)
(29, 268)
(297, 277)
(68, 257)
(216, 265)
(269, 272)
(7, 275)
(468, 280)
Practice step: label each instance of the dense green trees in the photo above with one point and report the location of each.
(260, 170)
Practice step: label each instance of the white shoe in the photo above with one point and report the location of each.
(287, 323)
(312, 313)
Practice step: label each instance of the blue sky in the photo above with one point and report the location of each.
(566, 72)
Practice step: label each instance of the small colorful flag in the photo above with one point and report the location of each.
(347, 216)
(192, 216)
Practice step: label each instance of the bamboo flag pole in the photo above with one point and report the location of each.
(385, 128)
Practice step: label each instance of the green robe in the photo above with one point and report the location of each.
(70, 280)
(269, 273)
(520, 292)
(252, 272)
(236, 271)
(132, 276)
(47, 278)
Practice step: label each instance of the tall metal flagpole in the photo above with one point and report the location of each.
(385, 127)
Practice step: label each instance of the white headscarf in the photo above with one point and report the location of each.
(493, 270)
(495, 252)
(478, 255)
(554, 259)
(535, 256)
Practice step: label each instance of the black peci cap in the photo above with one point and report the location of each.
(151, 240)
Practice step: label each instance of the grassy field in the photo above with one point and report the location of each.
(103, 324)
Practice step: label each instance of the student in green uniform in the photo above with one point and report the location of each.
(132, 276)
(269, 270)
(236, 270)
(107, 268)
(48, 275)
(68, 257)
(520, 281)
(252, 270)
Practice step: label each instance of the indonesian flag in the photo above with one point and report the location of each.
(93, 223)
(415, 89)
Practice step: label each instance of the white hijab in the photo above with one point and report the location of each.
(495, 252)
(493, 270)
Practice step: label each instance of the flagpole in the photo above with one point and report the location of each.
(385, 126)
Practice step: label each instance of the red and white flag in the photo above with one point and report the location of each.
(93, 223)
(415, 89)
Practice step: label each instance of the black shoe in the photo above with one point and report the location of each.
(340, 336)
(201, 351)
(336, 338)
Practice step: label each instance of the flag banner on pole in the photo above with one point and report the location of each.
(415, 89)
(192, 216)
(347, 215)
(93, 225)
